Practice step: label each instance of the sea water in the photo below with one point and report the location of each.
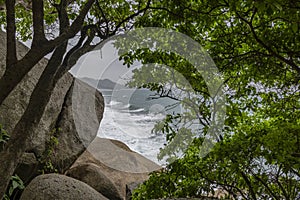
(130, 116)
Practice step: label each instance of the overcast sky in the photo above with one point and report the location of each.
(102, 64)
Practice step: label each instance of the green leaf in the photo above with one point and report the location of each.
(295, 27)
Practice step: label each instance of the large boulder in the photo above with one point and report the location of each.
(59, 187)
(75, 108)
(94, 177)
(114, 160)
(14, 106)
(78, 122)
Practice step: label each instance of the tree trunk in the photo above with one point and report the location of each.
(15, 73)
(9, 158)
(25, 128)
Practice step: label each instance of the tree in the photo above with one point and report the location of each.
(254, 45)
(91, 19)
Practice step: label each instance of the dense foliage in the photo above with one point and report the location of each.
(255, 44)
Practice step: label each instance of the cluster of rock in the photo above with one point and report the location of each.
(91, 177)
(88, 167)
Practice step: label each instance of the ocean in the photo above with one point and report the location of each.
(130, 115)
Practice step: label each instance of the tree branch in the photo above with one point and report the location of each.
(268, 48)
(104, 17)
(77, 46)
(11, 53)
(76, 25)
(77, 51)
(132, 16)
(246, 179)
(11, 78)
(63, 16)
(295, 172)
(279, 184)
(38, 23)
(264, 184)
(222, 184)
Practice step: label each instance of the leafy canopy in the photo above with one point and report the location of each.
(255, 46)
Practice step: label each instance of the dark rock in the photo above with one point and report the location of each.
(28, 167)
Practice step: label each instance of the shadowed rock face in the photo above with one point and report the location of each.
(15, 105)
(79, 120)
(59, 112)
(59, 187)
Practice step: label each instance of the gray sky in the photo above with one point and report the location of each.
(102, 64)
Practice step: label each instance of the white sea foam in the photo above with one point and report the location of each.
(130, 116)
(134, 130)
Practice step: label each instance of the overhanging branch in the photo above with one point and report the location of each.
(268, 48)
(132, 16)
(63, 16)
(12, 77)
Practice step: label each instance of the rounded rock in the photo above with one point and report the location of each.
(59, 187)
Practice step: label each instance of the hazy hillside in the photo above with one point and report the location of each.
(101, 84)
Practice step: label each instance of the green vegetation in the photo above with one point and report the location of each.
(46, 160)
(255, 163)
(254, 44)
(15, 183)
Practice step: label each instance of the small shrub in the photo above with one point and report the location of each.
(46, 159)
(15, 184)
